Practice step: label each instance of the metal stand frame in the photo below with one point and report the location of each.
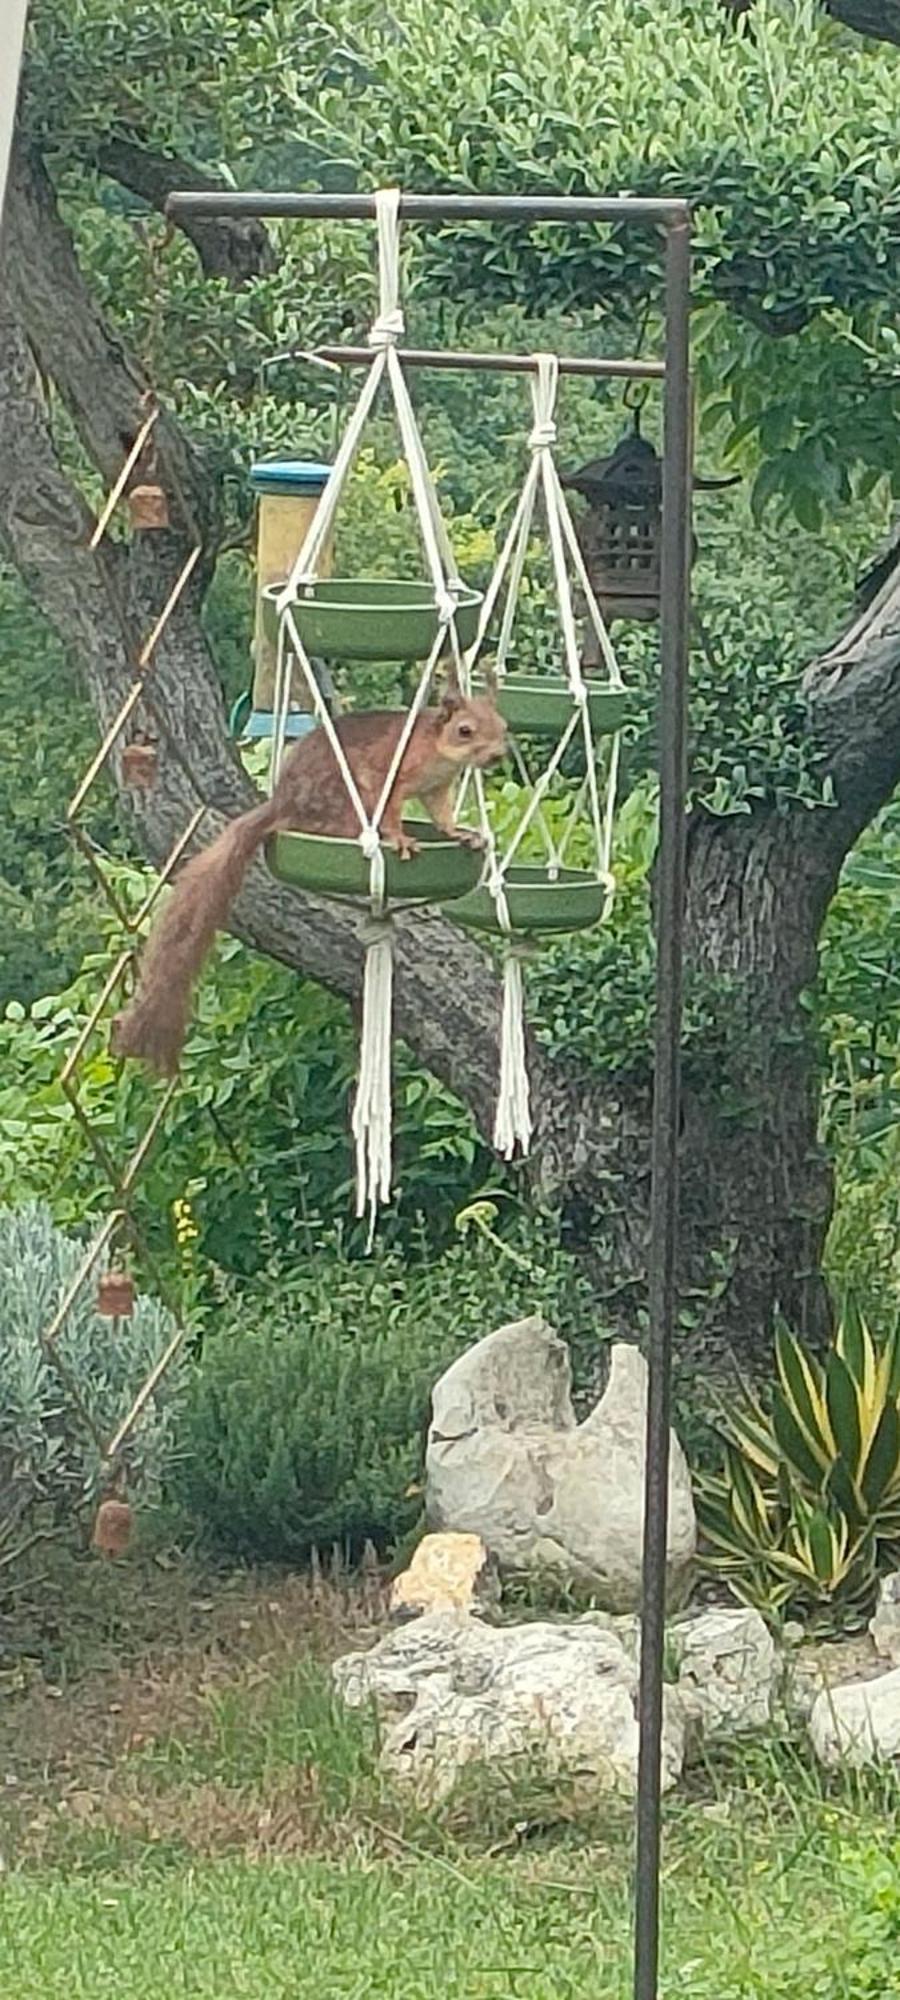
(672, 217)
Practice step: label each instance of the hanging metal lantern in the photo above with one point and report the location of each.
(620, 532)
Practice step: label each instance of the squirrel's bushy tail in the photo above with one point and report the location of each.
(154, 1024)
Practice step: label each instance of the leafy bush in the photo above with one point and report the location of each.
(49, 1461)
(807, 1505)
(305, 1421)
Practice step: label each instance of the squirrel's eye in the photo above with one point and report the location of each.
(466, 729)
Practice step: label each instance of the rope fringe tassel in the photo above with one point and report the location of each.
(372, 1110)
(512, 1124)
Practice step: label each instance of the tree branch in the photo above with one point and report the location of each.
(104, 389)
(879, 20)
(854, 698)
(236, 250)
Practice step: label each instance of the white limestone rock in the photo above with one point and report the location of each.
(859, 1723)
(506, 1460)
(558, 1698)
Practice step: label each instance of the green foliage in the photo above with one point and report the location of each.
(779, 138)
(306, 1417)
(858, 996)
(856, 1010)
(807, 1505)
(256, 1139)
(872, 1873)
(49, 1461)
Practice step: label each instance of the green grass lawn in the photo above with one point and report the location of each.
(821, 1924)
(203, 1822)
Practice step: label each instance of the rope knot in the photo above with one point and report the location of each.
(387, 329)
(543, 436)
(496, 887)
(376, 927)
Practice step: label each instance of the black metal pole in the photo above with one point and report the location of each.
(674, 591)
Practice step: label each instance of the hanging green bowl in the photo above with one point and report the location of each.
(440, 871)
(574, 901)
(534, 706)
(361, 618)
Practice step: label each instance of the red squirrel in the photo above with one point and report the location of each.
(310, 797)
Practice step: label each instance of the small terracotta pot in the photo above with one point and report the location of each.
(140, 763)
(147, 507)
(113, 1523)
(115, 1295)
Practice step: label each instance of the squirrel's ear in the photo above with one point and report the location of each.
(451, 701)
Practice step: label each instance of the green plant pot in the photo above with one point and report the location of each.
(575, 901)
(358, 618)
(441, 871)
(535, 706)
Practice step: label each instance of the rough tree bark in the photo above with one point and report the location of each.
(756, 1190)
(878, 20)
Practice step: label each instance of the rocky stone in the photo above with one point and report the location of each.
(447, 1573)
(820, 1664)
(859, 1723)
(507, 1460)
(558, 1698)
(728, 1671)
(885, 1626)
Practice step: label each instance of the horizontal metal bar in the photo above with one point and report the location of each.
(433, 207)
(499, 364)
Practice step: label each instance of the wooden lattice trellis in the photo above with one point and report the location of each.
(120, 1234)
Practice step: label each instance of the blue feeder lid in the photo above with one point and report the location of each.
(260, 726)
(289, 475)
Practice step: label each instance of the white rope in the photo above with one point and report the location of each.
(388, 326)
(372, 1106)
(306, 566)
(438, 553)
(513, 1127)
(372, 1110)
(592, 607)
(512, 1122)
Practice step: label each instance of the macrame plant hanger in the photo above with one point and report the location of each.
(372, 1107)
(513, 1121)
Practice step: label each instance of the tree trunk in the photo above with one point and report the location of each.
(756, 1190)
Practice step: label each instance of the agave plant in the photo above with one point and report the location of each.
(807, 1503)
